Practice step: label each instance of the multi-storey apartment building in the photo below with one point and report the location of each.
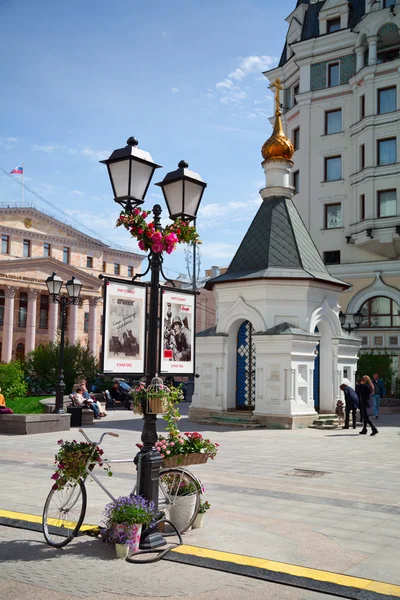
(33, 246)
(339, 73)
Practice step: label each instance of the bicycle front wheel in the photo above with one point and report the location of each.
(179, 498)
(63, 514)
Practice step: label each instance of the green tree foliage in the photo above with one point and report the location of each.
(41, 366)
(12, 379)
(377, 362)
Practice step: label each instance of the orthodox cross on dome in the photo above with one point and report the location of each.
(278, 87)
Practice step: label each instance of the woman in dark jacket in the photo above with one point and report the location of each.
(365, 391)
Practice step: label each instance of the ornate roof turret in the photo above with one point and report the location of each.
(278, 146)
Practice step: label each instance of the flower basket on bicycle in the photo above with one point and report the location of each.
(184, 460)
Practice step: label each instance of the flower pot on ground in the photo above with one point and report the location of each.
(182, 510)
(121, 550)
(124, 518)
(204, 507)
(198, 522)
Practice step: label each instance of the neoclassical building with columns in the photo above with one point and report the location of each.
(33, 246)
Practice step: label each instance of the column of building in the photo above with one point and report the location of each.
(31, 321)
(53, 320)
(93, 302)
(8, 323)
(73, 323)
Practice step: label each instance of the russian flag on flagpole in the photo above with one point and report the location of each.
(18, 170)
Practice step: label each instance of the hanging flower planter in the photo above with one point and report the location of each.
(158, 402)
(184, 460)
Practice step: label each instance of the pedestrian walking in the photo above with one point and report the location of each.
(379, 392)
(366, 392)
(358, 384)
(351, 400)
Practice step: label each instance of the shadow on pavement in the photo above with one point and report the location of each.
(26, 551)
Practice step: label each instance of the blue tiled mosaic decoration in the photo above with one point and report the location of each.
(245, 368)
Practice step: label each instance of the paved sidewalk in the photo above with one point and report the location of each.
(346, 520)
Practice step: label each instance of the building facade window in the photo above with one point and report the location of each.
(387, 201)
(44, 312)
(117, 268)
(20, 351)
(23, 309)
(333, 25)
(26, 247)
(296, 138)
(380, 312)
(86, 322)
(46, 249)
(333, 216)
(333, 74)
(66, 254)
(296, 181)
(362, 107)
(104, 266)
(2, 302)
(333, 168)
(333, 121)
(5, 244)
(362, 156)
(296, 90)
(89, 262)
(362, 207)
(387, 100)
(387, 151)
(332, 257)
(387, 3)
(130, 271)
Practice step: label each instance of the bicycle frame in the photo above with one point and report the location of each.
(123, 460)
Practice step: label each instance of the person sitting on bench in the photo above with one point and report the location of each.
(79, 400)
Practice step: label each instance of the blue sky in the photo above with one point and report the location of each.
(78, 78)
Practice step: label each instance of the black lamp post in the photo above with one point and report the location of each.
(358, 318)
(130, 170)
(74, 286)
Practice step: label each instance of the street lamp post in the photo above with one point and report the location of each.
(358, 318)
(130, 170)
(74, 286)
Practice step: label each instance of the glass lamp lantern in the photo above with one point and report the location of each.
(183, 190)
(130, 170)
(74, 287)
(54, 284)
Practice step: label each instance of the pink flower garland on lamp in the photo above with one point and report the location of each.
(149, 238)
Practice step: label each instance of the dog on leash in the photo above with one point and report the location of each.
(340, 412)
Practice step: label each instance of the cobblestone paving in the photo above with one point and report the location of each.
(347, 521)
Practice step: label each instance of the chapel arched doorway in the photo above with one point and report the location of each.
(245, 368)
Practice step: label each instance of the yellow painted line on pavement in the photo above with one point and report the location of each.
(10, 514)
(295, 570)
(380, 587)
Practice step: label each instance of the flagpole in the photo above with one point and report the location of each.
(22, 190)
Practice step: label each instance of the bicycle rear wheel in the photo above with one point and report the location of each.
(179, 498)
(63, 514)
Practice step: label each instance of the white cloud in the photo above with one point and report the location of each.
(231, 92)
(77, 193)
(12, 140)
(258, 113)
(230, 212)
(46, 149)
(95, 154)
(175, 90)
(218, 250)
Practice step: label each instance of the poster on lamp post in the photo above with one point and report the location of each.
(177, 331)
(124, 328)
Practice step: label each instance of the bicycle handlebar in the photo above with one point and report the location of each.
(101, 437)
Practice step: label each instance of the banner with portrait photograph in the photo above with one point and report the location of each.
(124, 321)
(177, 332)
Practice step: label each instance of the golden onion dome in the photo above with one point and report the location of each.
(278, 146)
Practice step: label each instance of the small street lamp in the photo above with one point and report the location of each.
(358, 318)
(74, 286)
(131, 170)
